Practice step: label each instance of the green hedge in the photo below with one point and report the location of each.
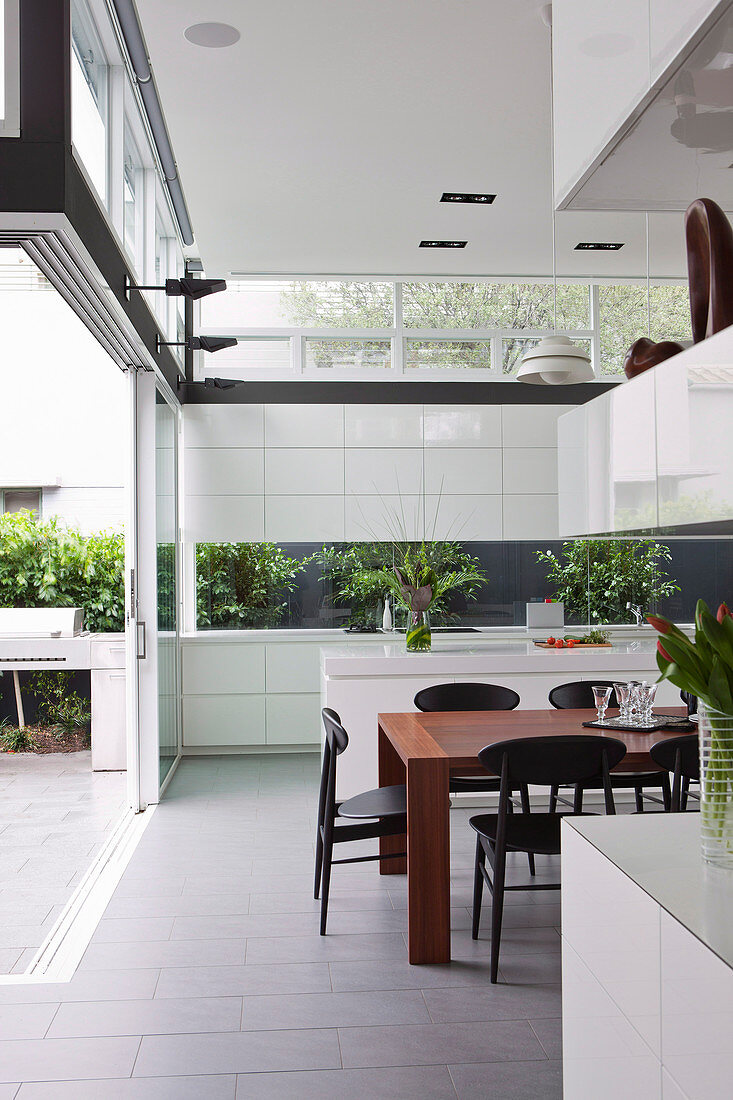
(44, 564)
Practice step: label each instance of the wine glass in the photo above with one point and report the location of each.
(622, 698)
(601, 695)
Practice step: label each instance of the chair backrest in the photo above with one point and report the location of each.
(577, 695)
(466, 697)
(690, 701)
(681, 757)
(550, 761)
(336, 742)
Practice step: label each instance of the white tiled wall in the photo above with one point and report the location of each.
(302, 473)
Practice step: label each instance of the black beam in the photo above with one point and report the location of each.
(390, 393)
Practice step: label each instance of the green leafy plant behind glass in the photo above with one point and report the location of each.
(356, 575)
(44, 564)
(597, 578)
(242, 585)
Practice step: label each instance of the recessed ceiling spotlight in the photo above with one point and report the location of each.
(443, 244)
(214, 36)
(598, 246)
(467, 196)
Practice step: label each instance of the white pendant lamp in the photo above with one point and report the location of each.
(556, 360)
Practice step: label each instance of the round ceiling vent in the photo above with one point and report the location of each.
(214, 36)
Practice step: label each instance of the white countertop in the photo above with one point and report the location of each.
(454, 657)
(661, 853)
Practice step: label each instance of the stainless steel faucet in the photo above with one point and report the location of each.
(637, 611)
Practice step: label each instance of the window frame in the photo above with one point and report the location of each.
(38, 512)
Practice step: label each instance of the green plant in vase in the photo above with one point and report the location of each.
(703, 666)
(417, 586)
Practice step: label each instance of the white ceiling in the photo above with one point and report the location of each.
(321, 142)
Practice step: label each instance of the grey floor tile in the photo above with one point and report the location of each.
(387, 945)
(333, 1010)
(130, 956)
(411, 1083)
(86, 985)
(399, 974)
(66, 1059)
(530, 969)
(493, 1002)
(179, 905)
(152, 1017)
(549, 1033)
(237, 981)
(111, 930)
(220, 1087)
(250, 1052)
(303, 903)
(436, 1044)
(30, 1021)
(519, 1081)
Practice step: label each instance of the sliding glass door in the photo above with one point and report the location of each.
(166, 525)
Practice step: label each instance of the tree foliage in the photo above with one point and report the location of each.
(242, 584)
(596, 578)
(44, 564)
(624, 316)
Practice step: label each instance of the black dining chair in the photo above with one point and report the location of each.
(578, 695)
(548, 761)
(447, 697)
(680, 756)
(376, 813)
(468, 697)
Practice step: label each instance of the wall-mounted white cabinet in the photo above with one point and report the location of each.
(609, 62)
(654, 452)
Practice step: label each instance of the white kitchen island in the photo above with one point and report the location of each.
(647, 946)
(359, 682)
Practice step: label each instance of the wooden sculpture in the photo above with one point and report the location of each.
(710, 274)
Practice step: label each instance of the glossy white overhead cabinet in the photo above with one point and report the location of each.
(610, 62)
(653, 452)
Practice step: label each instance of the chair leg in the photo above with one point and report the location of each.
(497, 910)
(319, 864)
(684, 793)
(478, 886)
(325, 883)
(639, 798)
(666, 793)
(524, 794)
(554, 791)
(578, 799)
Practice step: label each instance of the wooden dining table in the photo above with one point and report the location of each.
(423, 750)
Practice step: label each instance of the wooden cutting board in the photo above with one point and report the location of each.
(578, 645)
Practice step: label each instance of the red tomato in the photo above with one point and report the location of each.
(550, 641)
(559, 643)
(571, 643)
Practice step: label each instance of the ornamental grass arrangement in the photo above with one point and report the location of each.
(703, 666)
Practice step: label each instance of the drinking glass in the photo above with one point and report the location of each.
(622, 698)
(632, 705)
(601, 695)
(649, 696)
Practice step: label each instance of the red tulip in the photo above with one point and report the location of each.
(661, 625)
(723, 610)
(664, 653)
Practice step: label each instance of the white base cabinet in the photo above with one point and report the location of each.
(647, 994)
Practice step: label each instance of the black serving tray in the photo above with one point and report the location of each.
(661, 722)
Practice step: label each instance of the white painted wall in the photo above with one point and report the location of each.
(63, 420)
(305, 473)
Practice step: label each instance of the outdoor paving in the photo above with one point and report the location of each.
(55, 814)
(207, 977)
